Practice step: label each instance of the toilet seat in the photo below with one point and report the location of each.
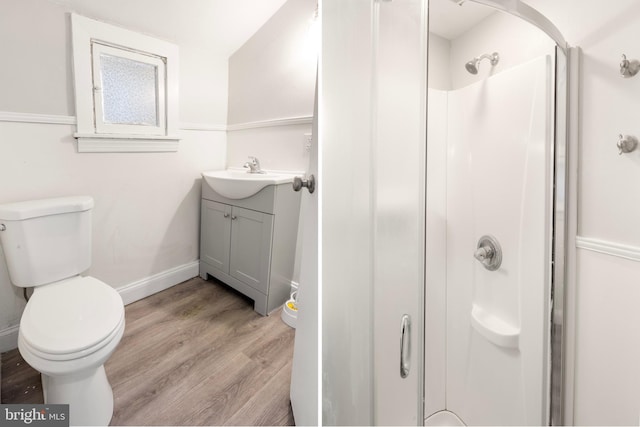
(71, 319)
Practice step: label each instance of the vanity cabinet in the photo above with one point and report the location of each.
(237, 242)
(249, 244)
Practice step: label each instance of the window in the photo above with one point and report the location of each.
(129, 91)
(126, 88)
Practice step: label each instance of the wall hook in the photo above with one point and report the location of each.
(629, 68)
(627, 143)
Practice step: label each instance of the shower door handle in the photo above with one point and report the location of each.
(405, 346)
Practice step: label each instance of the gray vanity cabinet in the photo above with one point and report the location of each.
(249, 244)
(237, 242)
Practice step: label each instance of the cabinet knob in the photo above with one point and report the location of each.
(233, 217)
(226, 215)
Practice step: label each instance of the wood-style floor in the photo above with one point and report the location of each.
(195, 354)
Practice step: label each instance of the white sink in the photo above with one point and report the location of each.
(240, 184)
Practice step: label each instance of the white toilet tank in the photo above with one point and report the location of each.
(46, 240)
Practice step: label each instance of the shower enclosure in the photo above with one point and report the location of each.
(495, 204)
(442, 263)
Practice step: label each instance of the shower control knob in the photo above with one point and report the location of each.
(489, 253)
(484, 253)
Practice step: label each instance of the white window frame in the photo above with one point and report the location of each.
(86, 33)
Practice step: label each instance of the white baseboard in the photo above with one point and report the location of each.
(158, 282)
(9, 338)
(129, 293)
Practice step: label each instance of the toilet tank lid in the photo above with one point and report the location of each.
(43, 207)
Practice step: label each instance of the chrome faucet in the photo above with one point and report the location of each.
(254, 165)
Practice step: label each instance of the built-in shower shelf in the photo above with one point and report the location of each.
(494, 328)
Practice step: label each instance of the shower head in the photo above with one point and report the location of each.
(472, 66)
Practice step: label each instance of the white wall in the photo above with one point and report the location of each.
(146, 216)
(277, 147)
(439, 57)
(203, 87)
(607, 322)
(272, 80)
(36, 53)
(273, 74)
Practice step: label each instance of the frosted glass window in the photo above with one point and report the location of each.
(129, 91)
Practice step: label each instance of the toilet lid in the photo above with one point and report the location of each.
(71, 315)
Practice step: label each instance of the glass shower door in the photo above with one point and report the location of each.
(372, 112)
(398, 208)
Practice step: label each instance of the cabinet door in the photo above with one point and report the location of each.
(216, 234)
(251, 247)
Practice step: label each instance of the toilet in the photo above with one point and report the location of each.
(72, 323)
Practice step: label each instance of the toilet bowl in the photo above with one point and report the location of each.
(67, 332)
(71, 324)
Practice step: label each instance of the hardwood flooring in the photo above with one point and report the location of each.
(195, 354)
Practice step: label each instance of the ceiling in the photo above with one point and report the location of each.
(221, 26)
(450, 20)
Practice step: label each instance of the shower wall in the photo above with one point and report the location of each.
(489, 173)
(523, 43)
(499, 184)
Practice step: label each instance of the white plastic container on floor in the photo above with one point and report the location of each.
(290, 310)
